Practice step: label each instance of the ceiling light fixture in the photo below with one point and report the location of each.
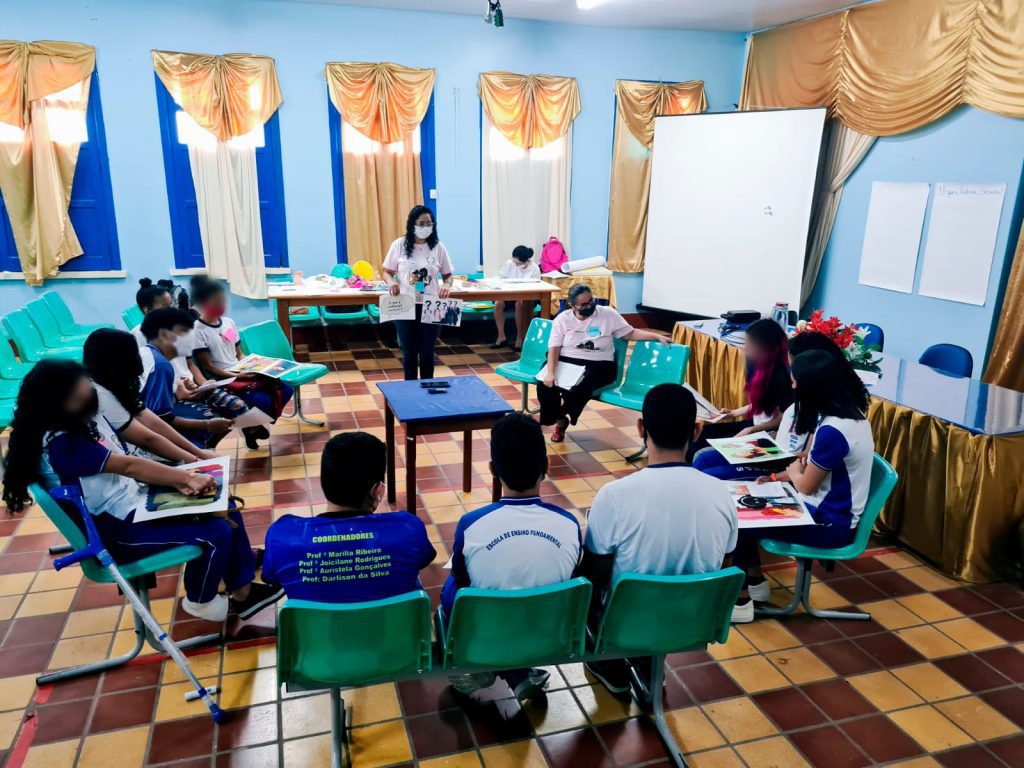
(494, 13)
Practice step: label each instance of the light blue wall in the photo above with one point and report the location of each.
(968, 145)
(302, 37)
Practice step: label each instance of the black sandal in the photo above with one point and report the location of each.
(499, 345)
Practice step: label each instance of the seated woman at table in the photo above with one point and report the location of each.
(586, 333)
(711, 462)
(59, 438)
(768, 391)
(520, 267)
(833, 480)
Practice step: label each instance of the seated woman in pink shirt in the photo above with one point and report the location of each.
(583, 335)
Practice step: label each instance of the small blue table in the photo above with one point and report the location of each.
(467, 405)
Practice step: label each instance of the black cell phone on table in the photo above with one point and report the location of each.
(435, 384)
(437, 391)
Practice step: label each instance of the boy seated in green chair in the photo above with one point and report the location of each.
(348, 554)
(668, 519)
(518, 542)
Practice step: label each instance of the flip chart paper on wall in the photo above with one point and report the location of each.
(892, 235)
(961, 241)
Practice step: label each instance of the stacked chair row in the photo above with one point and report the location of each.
(43, 329)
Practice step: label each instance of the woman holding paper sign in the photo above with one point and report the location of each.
(418, 263)
(59, 438)
(586, 332)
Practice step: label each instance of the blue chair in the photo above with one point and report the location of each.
(875, 335)
(948, 358)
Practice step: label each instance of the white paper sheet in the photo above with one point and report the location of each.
(567, 375)
(705, 410)
(254, 417)
(211, 385)
(576, 265)
(892, 235)
(400, 307)
(961, 241)
(442, 311)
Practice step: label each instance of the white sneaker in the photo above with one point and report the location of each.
(760, 593)
(743, 613)
(215, 610)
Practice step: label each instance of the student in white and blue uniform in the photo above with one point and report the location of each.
(516, 543)
(348, 554)
(59, 438)
(713, 463)
(834, 479)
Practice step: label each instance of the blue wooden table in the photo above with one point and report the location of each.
(467, 405)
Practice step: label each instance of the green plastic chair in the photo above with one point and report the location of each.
(10, 366)
(6, 413)
(30, 344)
(327, 645)
(883, 480)
(9, 389)
(650, 364)
(138, 574)
(621, 351)
(65, 320)
(341, 315)
(44, 322)
(268, 339)
(513, 628)
(651, 616)
(132, 316)
(531, 359)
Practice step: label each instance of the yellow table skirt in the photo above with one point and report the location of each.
(602, 285)
(958, 501)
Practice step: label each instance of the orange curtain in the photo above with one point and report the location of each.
(381, 107)
(637, 104)
(530, 110)
(1006, 362)
(37, 170)
(229, 95)
(886, 68)
(385, 101)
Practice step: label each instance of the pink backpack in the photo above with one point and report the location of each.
(552, 255)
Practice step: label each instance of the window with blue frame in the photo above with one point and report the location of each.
(177, 131)
(428, 167)
(92, 201)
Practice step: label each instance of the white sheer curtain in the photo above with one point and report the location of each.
(525, 195)
(843, 153)
(228, 200)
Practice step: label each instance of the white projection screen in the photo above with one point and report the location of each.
(730, 209)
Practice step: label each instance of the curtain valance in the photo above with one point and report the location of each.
(384, 101)
(530, 110)
(638, 103)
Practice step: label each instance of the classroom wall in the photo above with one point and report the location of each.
(302, 37)
(968, 145)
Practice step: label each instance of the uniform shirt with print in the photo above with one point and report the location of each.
(514, 270)
(590, 338)
(845, 449)
(424, 265)
(220, 339)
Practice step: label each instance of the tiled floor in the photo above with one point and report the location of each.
(934, 680)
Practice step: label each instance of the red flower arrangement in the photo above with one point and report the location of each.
(847, 337)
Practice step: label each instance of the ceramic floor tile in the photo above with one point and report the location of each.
(929, 728)
(125, 748)
(518, 754)
(885, 690)
(754, 674)
(771, 753)
(800, 665)
(739, 719)
(693, 730)
(930, 682)
(976, 717)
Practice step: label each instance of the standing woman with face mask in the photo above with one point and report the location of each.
(583, 335)
(418, 264)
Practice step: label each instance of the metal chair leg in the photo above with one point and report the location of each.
(802, 596)
(656, 694)
(297, 410)
(526, 401)
(639, 454)
(337, 726)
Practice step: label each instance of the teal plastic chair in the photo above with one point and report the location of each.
(325, 645)
(345, 315)
(883, 480)
(44, 322)
(268, 339)
(132, 316)
(10, 366)
(650, 364)
(30, 344)
(509, 629)
(657, 615)
(137, 574)
(621, 350)
(531, 359)
(65, 320)
(6, 413)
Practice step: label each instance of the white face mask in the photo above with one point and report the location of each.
(423, 232)
(184, 345)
